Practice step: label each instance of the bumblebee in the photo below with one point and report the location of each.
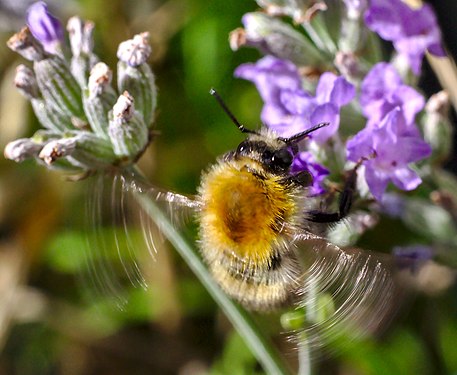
(263, 238)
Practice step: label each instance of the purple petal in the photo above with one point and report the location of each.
(325, 113)
(361, 145)
(46, 28)
(377, 181)
(305, 161)
(406, 179)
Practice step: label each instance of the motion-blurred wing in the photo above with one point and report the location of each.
(122, 239)
(346, 294)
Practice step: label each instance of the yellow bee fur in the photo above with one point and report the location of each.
(248, 215)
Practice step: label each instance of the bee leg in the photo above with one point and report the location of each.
(344, 204)
(302, 178)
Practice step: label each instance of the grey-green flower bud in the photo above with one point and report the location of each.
(99, 98)
(50, 117)
(353, 32)
(26, 45)
(21, 149)
(57, 149)
(135, 51)
(128, 133)
(82, 149)
(438, 130)
(59, 88)
(274, 37)
(135, 75)
(299, 10)
(81, 41)
(25, 82)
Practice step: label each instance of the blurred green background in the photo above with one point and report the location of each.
(52, 322)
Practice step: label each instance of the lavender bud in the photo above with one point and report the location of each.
(128, 133)
(83, 149)
(135, 51)
(26, 45)
(136, 77)
(57, 149)
(81, 41)
(81, 36)
(124, 109)
(21, 149)
(58, 87)
(300, 10)
(438, 130)
(45, 27)
(353, 31)
(25, 82)
(50, 117)
(272, 36)
(99, 99)
(100, 80)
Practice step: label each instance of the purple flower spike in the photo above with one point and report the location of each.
(44, 26)
(288, 109)
(304, 161)
(389, 149)
(412, 31)
(383, 90)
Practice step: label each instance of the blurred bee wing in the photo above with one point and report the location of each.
(122, 239)
(346, 294)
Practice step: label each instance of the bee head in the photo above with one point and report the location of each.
(274, 153)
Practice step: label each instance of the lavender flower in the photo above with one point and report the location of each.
(383, 90)
(288, 108)
(388, 150)
(412, 257)
(304, 161)
(412, 31)
(45, 27)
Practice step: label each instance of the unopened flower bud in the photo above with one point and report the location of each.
(135, 51)
(46, 28)
(99, 99)
(438, 130)
(50, 117)
(353, 30)
(274, 37)
(124, 108)
(25, 82)
(58, 87)
(80, 34)
(100, 79)
(26, 45)
(83, 149)
(82, 44)
(128, 133)
(57, 149)
(21, 149)
(135, 76)
(300, 10)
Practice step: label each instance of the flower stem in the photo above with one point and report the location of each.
(260, 345)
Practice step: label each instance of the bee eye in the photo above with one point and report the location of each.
(278, 160)
(243, 148)
(282, 158)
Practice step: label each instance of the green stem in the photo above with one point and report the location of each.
(260, 345)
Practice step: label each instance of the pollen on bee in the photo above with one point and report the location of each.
(243, 214)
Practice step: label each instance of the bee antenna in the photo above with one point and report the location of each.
(299, 136)
(229, 113)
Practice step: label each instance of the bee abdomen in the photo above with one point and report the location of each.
(260, 289)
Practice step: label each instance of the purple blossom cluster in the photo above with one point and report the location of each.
(289, 109)
(413, 31)
(391, 140)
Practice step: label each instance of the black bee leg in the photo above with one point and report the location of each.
(344, 205)
(302, 178)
